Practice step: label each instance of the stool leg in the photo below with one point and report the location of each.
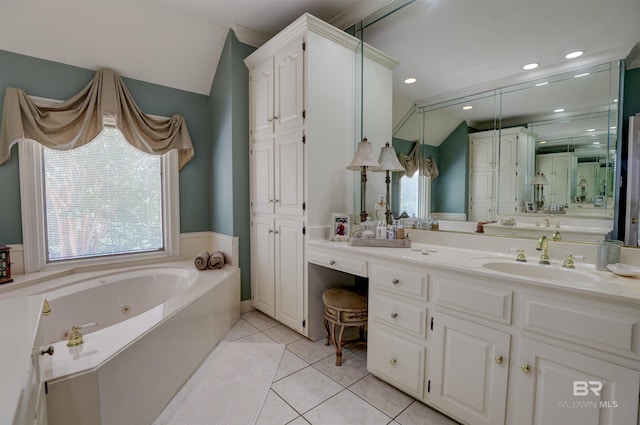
(326, 327)
(339, 347)
(361, 332)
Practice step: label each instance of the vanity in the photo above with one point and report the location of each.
(487, 340)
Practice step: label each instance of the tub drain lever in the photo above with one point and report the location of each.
(76, 337)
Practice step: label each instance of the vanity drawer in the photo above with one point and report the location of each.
(405, 316)
(402, 282)
(339, 261)
(396, 360)
(592, 326)
(474, 297)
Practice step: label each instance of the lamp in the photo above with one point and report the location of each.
(538, 181)
(388, 163)
(362, 160)
(583, 186)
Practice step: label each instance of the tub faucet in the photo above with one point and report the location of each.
(76, 338)
(543, 245)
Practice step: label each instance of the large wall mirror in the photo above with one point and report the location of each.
(538, 151)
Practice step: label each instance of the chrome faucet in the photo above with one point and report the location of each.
(543, 245)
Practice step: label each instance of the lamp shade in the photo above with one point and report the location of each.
(388, 159)
(583, 183)
(364, 157)
(539, 179)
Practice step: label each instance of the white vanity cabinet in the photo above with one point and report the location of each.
(397, 328)
(302, 94)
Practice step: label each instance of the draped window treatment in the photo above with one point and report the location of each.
(77, 121)
(413, 161)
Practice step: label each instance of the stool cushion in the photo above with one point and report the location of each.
(344, 299)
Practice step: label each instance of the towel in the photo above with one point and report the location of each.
(202, 260)
(216, 260)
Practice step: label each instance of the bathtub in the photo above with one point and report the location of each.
(154, 326)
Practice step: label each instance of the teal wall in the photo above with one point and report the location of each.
(54, 80)
(229, 106)
(450, 189)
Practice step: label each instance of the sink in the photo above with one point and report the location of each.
(553, 272)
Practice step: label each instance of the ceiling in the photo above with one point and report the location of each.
(453, 47)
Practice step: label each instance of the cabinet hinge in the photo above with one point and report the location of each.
(304, 139)
(431, 322)
(304, 206)
(304, 46)
(304, 230)
(304, 114)
(429, 386)
(46, 387)
(304, 323)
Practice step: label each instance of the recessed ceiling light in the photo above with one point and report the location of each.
(559, 110)
(542, 84)
(591, 129)
(410, 80)
(596, 143)
(529, 66)
(612, 128)
(581, 75)
(615, 100)
(466, 108)
(575, 54)
(542, 142)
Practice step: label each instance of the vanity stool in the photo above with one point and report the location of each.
(343, 308)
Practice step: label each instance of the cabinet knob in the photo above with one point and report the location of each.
(393, 362)
(526, 368)
(499, 359)
(395, 281)
(270, 230)
(48, 351)
(275, 232)
(275, 117)
(332, 262)
(269, 119)
(276, 201)
(394, 315)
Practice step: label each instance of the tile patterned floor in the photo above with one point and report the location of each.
(309, 389)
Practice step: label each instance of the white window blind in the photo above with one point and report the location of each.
(104, 198)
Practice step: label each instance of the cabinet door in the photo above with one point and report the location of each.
(261, 92)
(262, 176)
(262, 265)
(508, 174)
(469, 370)
(481, 179)
(289, 178)
(289, 273)
(560, 183)
(546, 379)
(289, 86)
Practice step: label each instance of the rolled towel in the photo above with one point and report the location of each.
(216, 260)
(202, 260)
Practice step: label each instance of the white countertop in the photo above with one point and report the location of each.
(607, 285)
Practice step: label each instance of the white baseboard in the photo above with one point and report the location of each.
(245, 306)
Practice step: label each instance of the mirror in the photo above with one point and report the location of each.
(489, 148)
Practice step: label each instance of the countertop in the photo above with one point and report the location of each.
(588, 280)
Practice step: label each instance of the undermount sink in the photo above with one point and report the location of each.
(540, 271)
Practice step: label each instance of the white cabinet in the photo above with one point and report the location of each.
(500, 168)
(469, 370)
(276, 91)
(277, 180)
(302, 123)
(556, 167)
(556, 386)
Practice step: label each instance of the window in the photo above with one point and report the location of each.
(414, 195)
(93, 203)
(103, 198)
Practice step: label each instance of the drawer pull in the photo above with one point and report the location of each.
(48, 351)
(526, 368)
(394, 315)
(393, 362)
(332, 262)
(499, 359)
(395, 281)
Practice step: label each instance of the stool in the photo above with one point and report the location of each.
(343, 308)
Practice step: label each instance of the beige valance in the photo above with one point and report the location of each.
(77, 121)
(414, 161)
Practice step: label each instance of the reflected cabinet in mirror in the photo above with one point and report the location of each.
(540, 154)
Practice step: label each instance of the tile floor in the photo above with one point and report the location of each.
(309, 389)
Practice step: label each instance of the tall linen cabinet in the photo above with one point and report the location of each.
(302, 95)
